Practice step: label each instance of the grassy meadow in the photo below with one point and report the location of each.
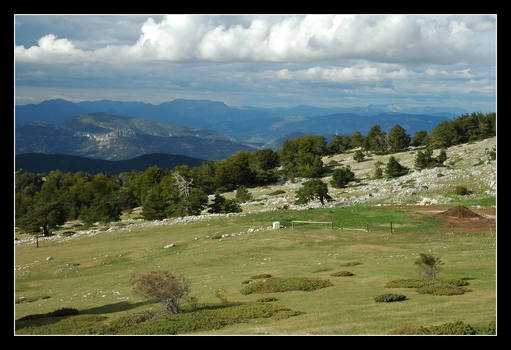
(92, 275)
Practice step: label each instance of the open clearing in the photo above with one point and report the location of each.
(92, 273)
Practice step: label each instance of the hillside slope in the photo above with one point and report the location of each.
(466, 165)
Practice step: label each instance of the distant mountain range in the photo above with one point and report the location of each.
(259, 126)
(111, 137)
(44, 163)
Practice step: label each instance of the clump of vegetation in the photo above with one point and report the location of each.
(461, 190)
(223, 205)
(22, 300)
(389, 298)
(162, 286)
(359, 156)
(276, 193)
(418, 283)
(351, 263)
(278, 284)
(342, 274)
(205, 317)
(311, 189)
(395, 169)
(242, 195)
(342, 176)
(267, 300)
(442, 289)
(449, 328)
(322, 269)
(262, 275)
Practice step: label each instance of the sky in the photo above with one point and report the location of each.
(260, 60)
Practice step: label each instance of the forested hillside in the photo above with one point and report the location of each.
(45, 201)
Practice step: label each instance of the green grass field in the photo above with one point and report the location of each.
(92, 274)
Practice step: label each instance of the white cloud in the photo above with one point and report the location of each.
(177, 38)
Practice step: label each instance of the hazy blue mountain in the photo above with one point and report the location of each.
(104, 136)
(191, 113)
(44, 163)
(272, 130)
(201, 113)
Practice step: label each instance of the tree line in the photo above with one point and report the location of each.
(46, 201)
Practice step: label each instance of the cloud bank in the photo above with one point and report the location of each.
(190, 38)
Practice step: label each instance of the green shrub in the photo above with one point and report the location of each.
(206, 317)
(322, 269)
(453, 328)
(389, 298)
(491, 328)
(418, 283)
(442, 289)
(277, 192)
(449, 328)
(267, 300)
(278, 284)
(342, 274)
(263, 275)
(461, 190)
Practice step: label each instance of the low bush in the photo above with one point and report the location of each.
(267, 300)
(351, 263)
(260, 276)
(418, 283)
(277, 284)
(442, 289)
(277, 192)
(449, 328)
(322, 269)
(389, 298)
(461, 190)
(22, 300)
(342, 274)
(204, 318)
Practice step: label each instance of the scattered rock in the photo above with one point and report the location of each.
(169, 245)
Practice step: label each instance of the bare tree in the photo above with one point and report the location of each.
(162, 286)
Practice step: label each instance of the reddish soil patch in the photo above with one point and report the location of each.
(461, 219)
(458, 219)
(460, 212)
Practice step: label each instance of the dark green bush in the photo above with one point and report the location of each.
(203, 318)
(453, 328)
(263, 275)
(266, 300)
(277, 284)
(277, 192)
(342, 274)
(442, 289)
(461, 190)
(417, 283)
(389, 297)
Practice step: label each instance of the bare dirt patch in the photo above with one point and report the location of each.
(458, 219)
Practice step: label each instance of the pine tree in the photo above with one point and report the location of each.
(394, 169)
